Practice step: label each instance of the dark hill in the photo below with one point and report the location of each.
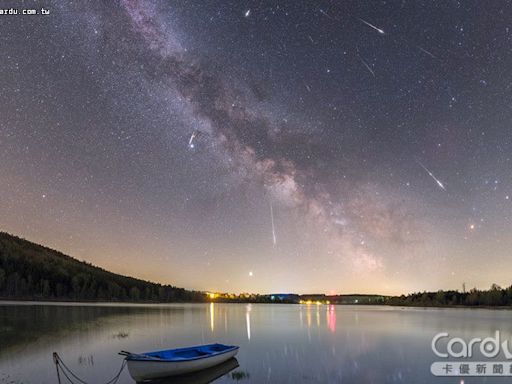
(31, 271)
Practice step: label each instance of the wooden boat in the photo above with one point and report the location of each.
(171, 362)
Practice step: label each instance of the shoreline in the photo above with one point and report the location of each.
(12, 301)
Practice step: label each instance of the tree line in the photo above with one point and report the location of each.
(493, 297)
(33, 272)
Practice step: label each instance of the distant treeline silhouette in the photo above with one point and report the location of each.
(31, 271)
(495, 296)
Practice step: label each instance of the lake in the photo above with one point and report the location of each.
(278, 343)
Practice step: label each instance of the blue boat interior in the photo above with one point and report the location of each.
(189, 353)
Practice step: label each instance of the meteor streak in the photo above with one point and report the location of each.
(326, 14)
(381, 31)
(427, 52)
(432, 176)
(367, 66)
(273, 227)
(191, 140)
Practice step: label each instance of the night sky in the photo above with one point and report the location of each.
(239, 146)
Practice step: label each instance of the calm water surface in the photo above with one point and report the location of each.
(279, 343)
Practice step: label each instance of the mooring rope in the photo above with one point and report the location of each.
(62, 367)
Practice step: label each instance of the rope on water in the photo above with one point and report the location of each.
(62, 367)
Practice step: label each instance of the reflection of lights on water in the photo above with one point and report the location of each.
(248, 320)
(310, 302)
(212, 316)
(331, 318)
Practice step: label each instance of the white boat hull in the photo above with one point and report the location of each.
(142, 370)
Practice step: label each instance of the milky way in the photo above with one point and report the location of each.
(150, 138)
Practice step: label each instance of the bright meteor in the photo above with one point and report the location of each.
(191, 140)
(439, 183)
(381, 31)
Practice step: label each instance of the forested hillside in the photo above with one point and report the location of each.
(31, 271)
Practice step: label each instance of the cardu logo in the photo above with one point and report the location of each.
(491, 347)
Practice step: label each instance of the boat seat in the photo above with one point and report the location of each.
(217, 348)
(190, 353)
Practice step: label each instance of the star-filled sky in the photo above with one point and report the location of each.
(266, 146)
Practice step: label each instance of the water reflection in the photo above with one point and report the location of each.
(248, 320)
(212, 316)
(278, 343)
(203, 377)
(17, 327)
(331, 318)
